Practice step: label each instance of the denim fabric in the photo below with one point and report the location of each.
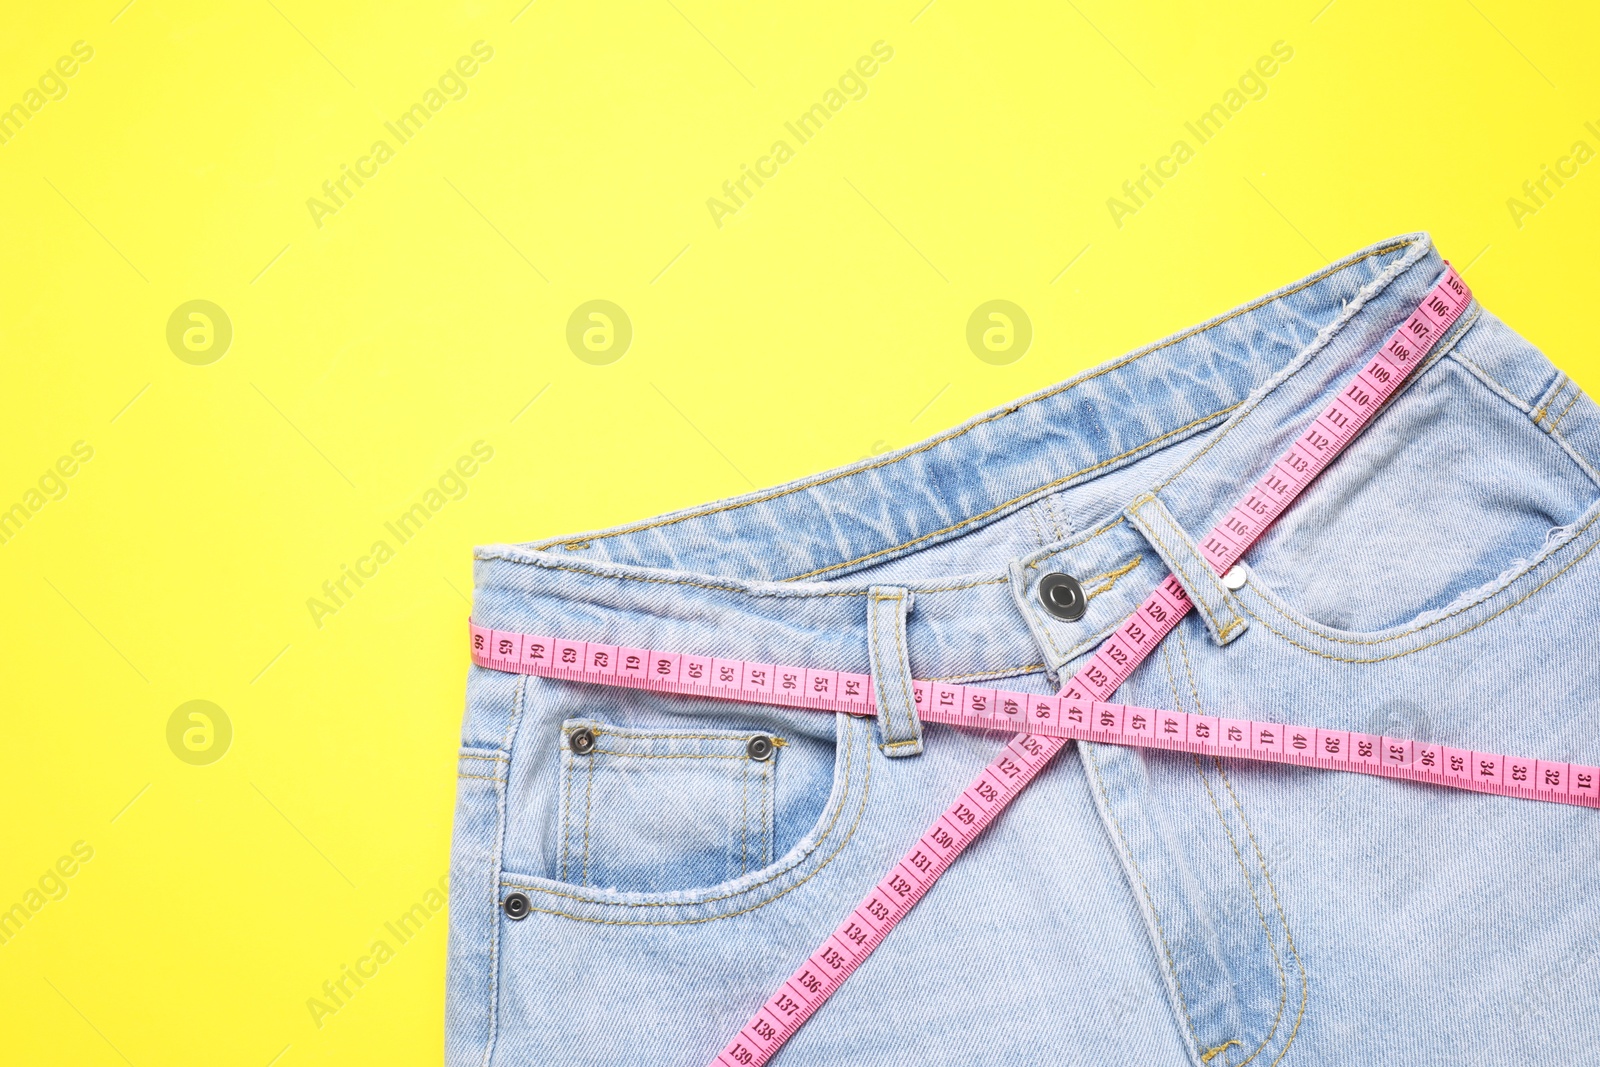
(1131, 907)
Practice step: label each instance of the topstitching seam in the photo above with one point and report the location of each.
(1288, 934)
(514, 720)
(844, 796)
(1277, 960)
(1127, 852)
(1075, 383)
(1577, 394)
(671, 735)
(1092, 535)
(1551, 395)
(902, 666)
(997, 673)
(861, 810)
(1424, 626)
(665, 755)
(1446, 346)
(588, 807)
(568, 772)
(1173, 558)
(1283, 976)
(982, 515)
(1108, 580)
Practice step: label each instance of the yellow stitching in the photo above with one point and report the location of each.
(483, 777)
(1582, 460)
(1446, 344)
(1079, 543)
(1283, 977)
(1177, 982)
(665, 755)
(1577, 394)
(1555, 391)
(1183, 647)
(587, 808)
(566, 811)
(1002, 580)
(513, 721)
(1305, 989)
(1327, 272)
(592, 573)
(1464, 608)
(1108, 580)
(768, 773)
(668, 735)
(969, 520)
(1166, 661)
(844, 795)
(1088, 642)
(744, 824)
(497, 759)
(1222, 631)
(1211, 1054)
(1047, 628)
(1112, 576)
(1568, 384)
(1173, 558)
(1448, 637)
(902, 665)
(984, 676)
(865, 794)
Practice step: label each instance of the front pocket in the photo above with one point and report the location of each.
(646, 810)
(1447, 495)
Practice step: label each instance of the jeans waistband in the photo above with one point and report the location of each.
(783, 574)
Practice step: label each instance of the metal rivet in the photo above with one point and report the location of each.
(1062, 596)
(516, 905)
(1235, 579)
(581, 740)
(760, 747)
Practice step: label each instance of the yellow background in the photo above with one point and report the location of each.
(822, 322)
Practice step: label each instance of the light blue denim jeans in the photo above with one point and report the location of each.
(1132, 906)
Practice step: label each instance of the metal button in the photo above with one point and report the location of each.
(1062, 596)
(760, 747)
(581, 741)
(516, 905)
(1235, 579)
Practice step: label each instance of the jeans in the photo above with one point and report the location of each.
(1132, 906)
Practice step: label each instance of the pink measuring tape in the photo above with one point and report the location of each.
(1080, 711)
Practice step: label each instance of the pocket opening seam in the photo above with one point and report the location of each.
(665, 755)
(844, 796)
(570, 771)
(1477, 603)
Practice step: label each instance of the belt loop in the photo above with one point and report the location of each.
(1217, 606)
(899, 726)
